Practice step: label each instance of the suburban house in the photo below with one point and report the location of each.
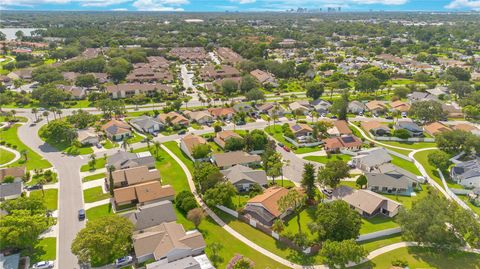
(132, 176)
(243, 177)
(88, 136)
(25, 74)
(435, 128)
(173, 118)
(143, 193)
(11, 190)
(15, 172)
(184, 263)
(200, 117)
(222, 137)
(321, 106)
(301, 131)
(167, 241)
(400, 106)
(366, 202)
(271, 109)
(453, 110)
(228, 55)
(299, 107)
(221, 112)
(264, 207)
(244, 107)
(189, 142)
(229, 159)
(211, 72)
(340, 127)
(147, 74)
(147, 124)
(467, 173)
(123, 160)
(150, 215)
(389, 178)
(349, 142)
(412, 128)
(376, 128)
(264, 78)
(372, 158)
(376, 107)
(189, 54)
(126, 90)
(421, 96)
(117, 130)
(356, 107)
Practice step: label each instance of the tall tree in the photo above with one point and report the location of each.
(337, 221)
(292, 201)
(339, 254)
(308, 180)
(332, 172)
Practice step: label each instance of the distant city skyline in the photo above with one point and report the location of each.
(241, 5)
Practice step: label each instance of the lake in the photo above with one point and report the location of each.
(10, 32)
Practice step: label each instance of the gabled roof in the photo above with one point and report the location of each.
(9, 189)
(373, 125)
(409, 125)
(468, 169)
(116, 127)
(300, 127)
(435, 128)
(373, 157)
(153, 214)
(221, 111)
(144, 192)
(16, 172)
(144, 122)
(365, 200)
(234, 158)
(342, 127)
(390, 175)
(269, 199)
(191, 141)
(373, 105)
(129, 159)
(240, 173)
(135, 175)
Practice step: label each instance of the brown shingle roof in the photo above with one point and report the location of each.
(435, 128)
(134, 175)
(144, 192)
(269, 199)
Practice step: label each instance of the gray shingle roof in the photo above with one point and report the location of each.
(152, 214)
(238, 173)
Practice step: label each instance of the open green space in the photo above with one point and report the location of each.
(306, 216)
(419, 257)
(304, 150)
(35, 161)
(93, 177)
(371, 245)
(377, 223)
(44, 250)
(94, 194)
(6, 156)
(410, 145)
(422, 158)
(332, 157)
(170, 171)
(50, 198)
(99, 211)
(135, 138)
(407, 165)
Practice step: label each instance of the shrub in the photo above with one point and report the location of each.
(401, 133)
(185, 201)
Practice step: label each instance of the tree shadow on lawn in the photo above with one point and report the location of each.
(444, 258)
(37, 253)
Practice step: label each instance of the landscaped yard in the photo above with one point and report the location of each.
(135, 139)
(35, 161)
(377, 243)
(407, 201)
(285, 183)
(99, 163)
(108, 144)
(69, 149)
(50, 198)
(377, 223)
(306, 216)
(278, 134)
(94, 194)
(41, 176)
(99, 211)
(332, 157)
(418, 257)
(93, 177)
(304, 150)
(6, 156)
(170, 170)
(44, 250)
(409, 166)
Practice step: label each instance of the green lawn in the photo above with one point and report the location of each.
(307, 150)
(332, 157)
(94, 194)
(50, 198)
(6, 156)
(100, 163)
(377, 243)
(278, 134)
(64, 147)
(135, 139)
(37, 177)
(409, 166)
(109, 144)
(170, 171)
(422, 157)
(173, 147)
(418, 257)
(377, 223)
(407, 201)
(35, 161)
(99, 211)
(410, 145)
(306, 216)
(93, 177)
(475, 208)
(285, 183)
(44, 250)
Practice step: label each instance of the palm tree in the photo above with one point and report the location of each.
(35, 111)
(314, 116)
(110, 169)
(125, 143)
(42, 181)
(24, 154)
(59, 112)
(157, 148)
(53, 110)
(13, 113)
(274, 117)
(148, 140)
(93, 160)
(45, 114)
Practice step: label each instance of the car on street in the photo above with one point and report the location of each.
(333, 117)
(286, 148)
(43, 265)
(81, 214)
(280, 144)
(123, 261)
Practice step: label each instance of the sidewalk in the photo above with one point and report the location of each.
(97, 203)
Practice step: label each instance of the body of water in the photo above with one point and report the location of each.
(10, 32)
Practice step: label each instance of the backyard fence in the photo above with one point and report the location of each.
(300, 145)
(399, 155)
(369, 236)
(412, 139)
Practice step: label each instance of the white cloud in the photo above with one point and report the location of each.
(120, 9)
(100, 3)
(159, 5)
(468, 4)
(243, 1)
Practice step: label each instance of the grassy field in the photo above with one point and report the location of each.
(306, 216)
(409, 166)
(44, 250)
(93, 177)
(6, 156)
(100, 163)
(99, 211)
(35, 161)
(325, 159)
(285, 183)
(50, 198)
(410, 145)
(94, 194)
(418, 257)
(377, 243)
(170, 171)
(377, 223)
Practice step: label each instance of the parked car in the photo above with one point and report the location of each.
(333, 117)
(98, 146)
(43, 265)
(182, 132)
(34, 187)
(123, 261)
(280, 145)
(404, 114)
(286, 148)
(389, 117)
(81, 214)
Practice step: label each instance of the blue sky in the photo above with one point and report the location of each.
(241, 5)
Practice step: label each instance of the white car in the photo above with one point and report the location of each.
(43, 265)
(123, 261)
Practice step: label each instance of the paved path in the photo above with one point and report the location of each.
(17, 155)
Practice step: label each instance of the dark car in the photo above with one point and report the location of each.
(182, 132)
(34, 187)
(333, 117)
(280, 144)
(81, 214)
